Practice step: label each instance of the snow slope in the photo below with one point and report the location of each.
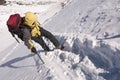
(91, 33)
(97, 18)
(44, 12)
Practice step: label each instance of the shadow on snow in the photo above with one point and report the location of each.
(10, 63)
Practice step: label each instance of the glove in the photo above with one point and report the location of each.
(33, 50)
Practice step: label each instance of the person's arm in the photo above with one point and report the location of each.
(27, 40)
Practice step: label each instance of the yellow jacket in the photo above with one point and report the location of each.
(31, 21)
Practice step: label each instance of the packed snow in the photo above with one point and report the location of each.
(89, 30)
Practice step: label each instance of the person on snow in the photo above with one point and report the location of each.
(30, 30)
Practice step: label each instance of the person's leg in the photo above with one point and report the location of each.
(50, 36)
(41, 42)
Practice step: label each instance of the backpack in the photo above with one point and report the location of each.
(14, 21)
(13, 24)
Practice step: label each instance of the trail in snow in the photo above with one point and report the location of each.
(57, 68)
(9, 53)
(21, 65)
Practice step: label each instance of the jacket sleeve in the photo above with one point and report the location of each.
(27, 38)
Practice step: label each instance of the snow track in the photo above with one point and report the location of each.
(9, 53)
(57, 69)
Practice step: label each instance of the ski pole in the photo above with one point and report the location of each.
(16, 39)
(40, 58)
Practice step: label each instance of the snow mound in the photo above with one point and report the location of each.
(84, 61)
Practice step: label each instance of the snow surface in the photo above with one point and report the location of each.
(90, 29)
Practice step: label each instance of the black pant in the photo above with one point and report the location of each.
(48, 35)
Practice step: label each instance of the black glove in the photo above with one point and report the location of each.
(33, 50)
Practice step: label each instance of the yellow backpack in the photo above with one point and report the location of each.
(31, 21)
